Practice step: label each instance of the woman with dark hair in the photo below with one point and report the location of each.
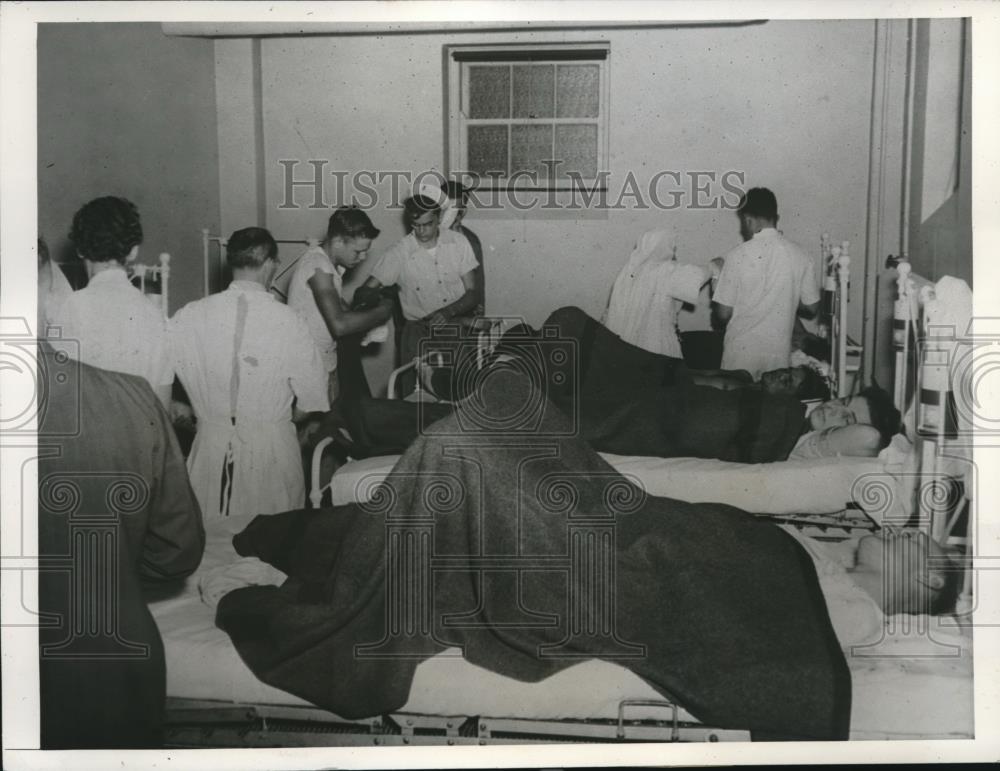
(115, 326)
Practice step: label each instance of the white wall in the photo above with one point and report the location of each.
(786, 102)
(125, 110)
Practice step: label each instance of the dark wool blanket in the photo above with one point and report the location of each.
(621, 399)
(516, 542)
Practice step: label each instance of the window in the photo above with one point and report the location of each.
(533, 116)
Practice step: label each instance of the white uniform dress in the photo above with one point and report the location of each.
(112, 325)
(649, 293)
(243, 357)
(763, 281)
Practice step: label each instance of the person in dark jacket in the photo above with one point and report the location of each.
(115, 513)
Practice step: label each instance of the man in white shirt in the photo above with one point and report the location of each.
(316, 289)
(117, 327)
(246, 361)
(765, 282)
(436, 272)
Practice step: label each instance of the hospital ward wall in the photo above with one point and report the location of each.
(786, 103)
(124, 110)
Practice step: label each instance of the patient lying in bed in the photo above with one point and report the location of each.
(708, 604)
(628, 401)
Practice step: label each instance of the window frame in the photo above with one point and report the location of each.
(458, 58)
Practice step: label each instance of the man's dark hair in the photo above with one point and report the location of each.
(456, 191)
(759, 202)
(250, 248)
(813, 385)
(349, 222)
(43, 252)
(416, 207)
(106, 229)
(885, 417)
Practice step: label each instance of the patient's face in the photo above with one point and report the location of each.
(904, 561)
(783, 381)
(849, 411)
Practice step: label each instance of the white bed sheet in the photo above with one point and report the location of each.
(903, 694)
(813, 486)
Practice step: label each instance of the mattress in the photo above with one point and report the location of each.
(762, 488)
(908, 686)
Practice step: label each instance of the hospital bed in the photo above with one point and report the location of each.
(153, 281)
(912, 681)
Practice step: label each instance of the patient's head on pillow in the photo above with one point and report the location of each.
(907, 572)
(801, 382)
(107, 229)
(872, 406)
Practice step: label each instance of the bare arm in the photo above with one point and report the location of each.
(856, 440)
(467, 303)
(339, 320)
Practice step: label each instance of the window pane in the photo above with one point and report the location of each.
(488, 150)
(533, 90)
(577, 91)
(576, 147)
(489, 92)
(530, 144)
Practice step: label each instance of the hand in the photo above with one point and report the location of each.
(437, 318)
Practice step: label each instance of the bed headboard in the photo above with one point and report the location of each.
(145, 276)
(927, 372)
(845, 356)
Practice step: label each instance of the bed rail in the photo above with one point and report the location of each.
(208, 723)
(924, 368)
(143, 275)
(845, 355)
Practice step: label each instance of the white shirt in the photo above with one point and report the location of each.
(53, 290)
(303, 302)
(856, 617)
(427, 281)
(112, 325)
(242, 354)
(763, 281)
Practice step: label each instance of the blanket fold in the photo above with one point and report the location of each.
(529, 552)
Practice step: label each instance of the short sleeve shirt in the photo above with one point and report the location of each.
(763, 281)
(302, 301)
(427, 280)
